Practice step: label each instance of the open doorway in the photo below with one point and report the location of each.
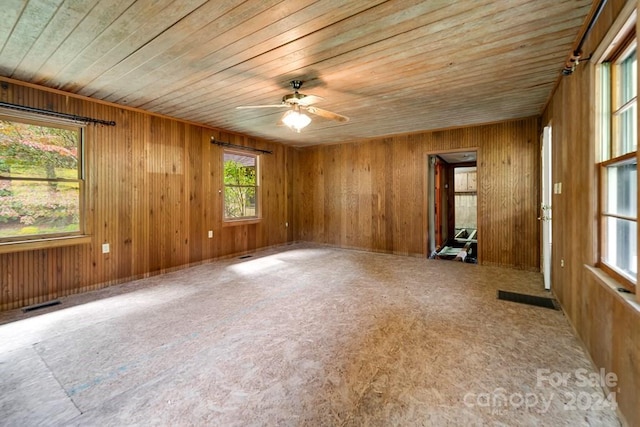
(453, 206)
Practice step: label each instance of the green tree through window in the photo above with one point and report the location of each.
(40, 179)
(240, 186)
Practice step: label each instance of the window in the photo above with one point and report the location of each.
(41, 179)
(618, 167)
(240, 186)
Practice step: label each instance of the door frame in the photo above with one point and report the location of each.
(546, 199)
(428, 207)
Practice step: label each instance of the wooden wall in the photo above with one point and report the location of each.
(152, 192)
(608, 324)
(371, 194)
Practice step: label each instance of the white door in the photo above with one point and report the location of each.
(545, 208)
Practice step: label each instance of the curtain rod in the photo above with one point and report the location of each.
(576, 55)
(56, 114)
(241, 147)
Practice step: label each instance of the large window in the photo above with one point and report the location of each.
(618, 164)
(41, 180)
(240, 186)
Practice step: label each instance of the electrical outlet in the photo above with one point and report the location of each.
(210, 234)
(105, 248)
(286, 224)
(561, 263)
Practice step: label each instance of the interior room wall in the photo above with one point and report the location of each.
(372, 194)
(607, 324)
(153, 193)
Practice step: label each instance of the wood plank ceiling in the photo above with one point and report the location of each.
(392, 66)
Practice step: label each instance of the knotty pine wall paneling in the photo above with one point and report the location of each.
(152, 192)
(194, 151)
(607, 323)
(371, 194)
(289, 158)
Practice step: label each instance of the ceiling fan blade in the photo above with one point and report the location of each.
(307, 100)
(327, 114)
(245, 107)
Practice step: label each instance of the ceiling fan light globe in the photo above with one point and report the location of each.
(296, 120)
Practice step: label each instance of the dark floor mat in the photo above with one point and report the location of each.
(528, 299)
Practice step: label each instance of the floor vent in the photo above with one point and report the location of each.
(40, 306)
(529, 299)
(245, 256)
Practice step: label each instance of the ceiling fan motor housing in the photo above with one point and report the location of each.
(298, 101)
(293, 98)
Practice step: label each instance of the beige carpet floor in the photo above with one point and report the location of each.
(302, 335)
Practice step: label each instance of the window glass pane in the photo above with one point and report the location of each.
(628, 81)
(240, 186)
(35, 151)
(621, 249)
(29, 208)
(621, 195)
(627, 140)
(239, 202)
(239, 169)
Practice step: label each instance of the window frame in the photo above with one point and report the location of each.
(36, 241)
(608, 137)
(602, 216)
(258, 196)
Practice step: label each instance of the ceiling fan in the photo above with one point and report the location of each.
(297, 102)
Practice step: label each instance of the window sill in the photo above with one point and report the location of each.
(612, 285)
(46, 243)
(243, 221)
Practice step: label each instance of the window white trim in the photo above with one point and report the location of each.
(14, 243)
(617, 32)
(257, 193)
(612, 50)
(41, 118)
